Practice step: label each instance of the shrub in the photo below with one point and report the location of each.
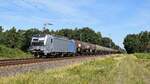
(6, 52)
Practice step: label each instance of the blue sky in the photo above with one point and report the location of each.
(113, 18)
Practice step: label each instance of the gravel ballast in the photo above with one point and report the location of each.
(17, 69)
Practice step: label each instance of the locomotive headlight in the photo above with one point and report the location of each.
(88, 46)
(79, 45)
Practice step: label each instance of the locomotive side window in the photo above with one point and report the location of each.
(51, 40)
(35, 39)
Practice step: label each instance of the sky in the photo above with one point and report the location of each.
(113, 18)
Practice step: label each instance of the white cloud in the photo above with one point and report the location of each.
(66, 11)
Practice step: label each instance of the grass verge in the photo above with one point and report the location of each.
(123, 69)
(6, 53)
(93, 72)
(142, 55)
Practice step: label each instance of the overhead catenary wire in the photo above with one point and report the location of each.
(33, 5)
(20, 7)
(43, 11)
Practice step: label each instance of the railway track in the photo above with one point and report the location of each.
(11, 62)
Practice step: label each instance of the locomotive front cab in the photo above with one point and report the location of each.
(38, 43)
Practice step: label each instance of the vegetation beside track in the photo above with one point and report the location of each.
(6, 53)
(119, 69)
(142, 55)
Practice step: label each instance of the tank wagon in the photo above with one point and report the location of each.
(105, 50)
(52, 45)
(84, 48)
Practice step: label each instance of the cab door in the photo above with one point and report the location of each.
(49, 45)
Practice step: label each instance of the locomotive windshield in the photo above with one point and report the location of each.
(39, 35)
(38, 40)
(40, 43)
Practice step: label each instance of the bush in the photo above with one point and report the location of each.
(6, 52)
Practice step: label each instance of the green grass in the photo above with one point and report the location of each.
(6, 52)
(144, 59)
(88, 72)
(122, 69)
(142, 55)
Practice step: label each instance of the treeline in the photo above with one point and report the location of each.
(14, 38)
(137, 42)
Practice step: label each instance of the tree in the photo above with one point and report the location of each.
(144, 38)
(66, 32)
(1, 35)
(21, 39)
(137, 42)
(88, 35)
(11, 38)
(27, 37)
(107, 42)
(99, 38)
(46, 31)
(1, 29)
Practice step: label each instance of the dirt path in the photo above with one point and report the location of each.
(128, 71)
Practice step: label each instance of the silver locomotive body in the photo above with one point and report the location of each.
(49, 45)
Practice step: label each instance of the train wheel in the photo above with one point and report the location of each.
(62, 55)
(37, 55)
(72, 55)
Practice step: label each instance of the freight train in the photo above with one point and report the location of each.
(52, 45)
